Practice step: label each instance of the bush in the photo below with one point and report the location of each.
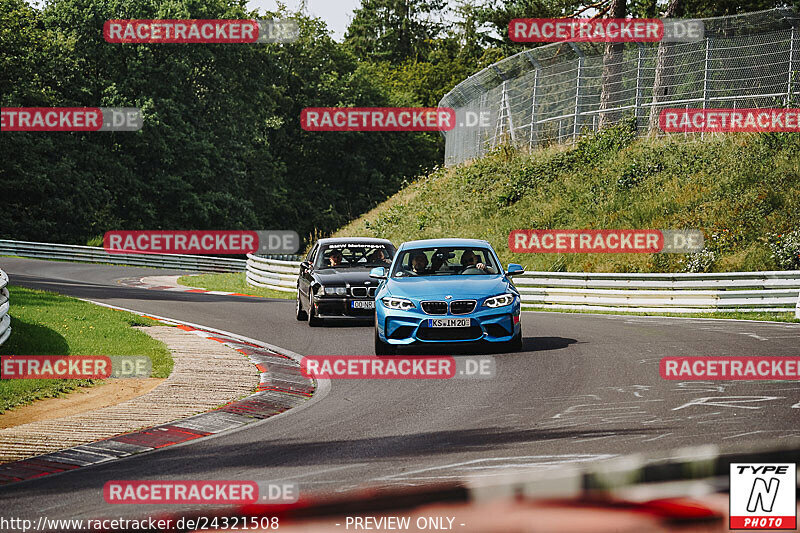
(786, 249)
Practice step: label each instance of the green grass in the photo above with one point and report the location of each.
(45, 323)
(742, 191)
(737, 189)
(231, 282)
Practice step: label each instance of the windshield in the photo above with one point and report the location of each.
(347, 255)
(445, 261)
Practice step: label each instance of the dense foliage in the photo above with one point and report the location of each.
(741, 190)
(222, 146)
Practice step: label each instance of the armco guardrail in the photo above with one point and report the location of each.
(777, 291)
(774, 291)
(91, 254)
(5, 319)
(273, 274)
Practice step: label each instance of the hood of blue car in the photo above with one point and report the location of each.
(437, 287)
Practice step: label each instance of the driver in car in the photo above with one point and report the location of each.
(335, 259)
(470, 260)
(419, 264)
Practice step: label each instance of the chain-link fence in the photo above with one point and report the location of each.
(553, 93)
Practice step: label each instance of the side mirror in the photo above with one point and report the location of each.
(378, 273)
(514, 269)
(305, 265)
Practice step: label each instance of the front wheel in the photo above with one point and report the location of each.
(383, 348)
(313, 320)
(299, 313)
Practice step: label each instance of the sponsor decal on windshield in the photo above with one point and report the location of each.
(354, 245)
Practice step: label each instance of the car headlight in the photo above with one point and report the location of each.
(400, 304)
(499, 301)
(335, 291)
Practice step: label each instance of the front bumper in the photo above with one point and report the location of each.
(411, 326)
(341, 307)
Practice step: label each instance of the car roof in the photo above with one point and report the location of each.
(434, 243)
(354, 240)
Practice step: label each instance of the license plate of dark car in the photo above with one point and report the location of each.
(363, 304)
(448, 322)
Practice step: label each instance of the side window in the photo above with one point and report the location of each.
(312, 253)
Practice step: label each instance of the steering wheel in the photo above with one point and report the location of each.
(472, 270)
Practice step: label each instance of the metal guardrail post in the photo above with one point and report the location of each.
(706, 80)
(791, 65)
(505, 110)
(797, 309)
(639, 65)
(538, 67)
(576, 126)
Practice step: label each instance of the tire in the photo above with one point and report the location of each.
(383, 348)
(515, 344)
(313, 320)
(299, 313)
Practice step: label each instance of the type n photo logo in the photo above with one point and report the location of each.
(763, 496)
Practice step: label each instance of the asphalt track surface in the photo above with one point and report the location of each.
(585, 387)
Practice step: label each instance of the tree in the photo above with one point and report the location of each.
(612, 70)
(394, 30)
(675, 8)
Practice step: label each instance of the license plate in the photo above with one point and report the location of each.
(363, 304)
(449, 322)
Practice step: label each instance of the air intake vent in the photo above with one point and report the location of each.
(462, 307)
(435, 308)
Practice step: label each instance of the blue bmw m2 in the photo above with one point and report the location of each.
(446, 291)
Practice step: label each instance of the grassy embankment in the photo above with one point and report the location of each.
(45, 323)
(742, 191)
